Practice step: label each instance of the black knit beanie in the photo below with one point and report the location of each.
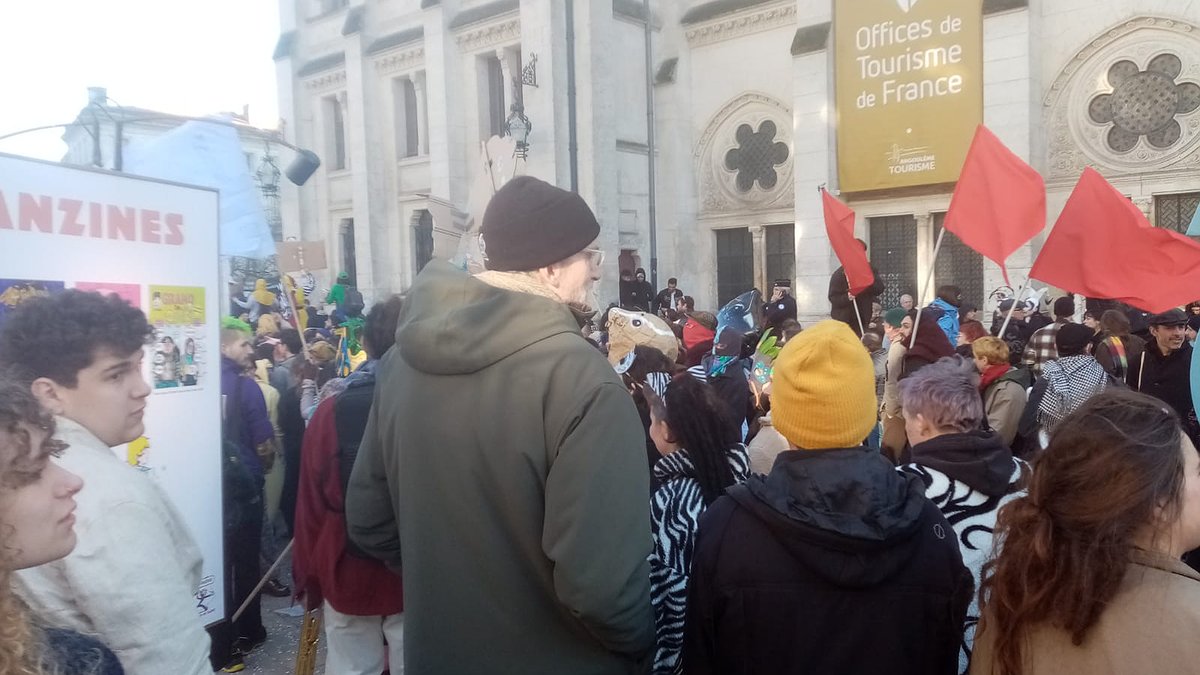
(530, 224)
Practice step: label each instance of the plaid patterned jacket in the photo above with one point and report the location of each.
(1041, 347)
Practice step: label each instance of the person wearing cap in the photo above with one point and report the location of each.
(834, 562)
(337, 292)
(1068, 380)
(781, 307)
(1164, 368)
(503, 464)
(843, 304)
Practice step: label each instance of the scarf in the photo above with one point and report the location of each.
(1071, 380)
(992, 374)
(525, 282)
(1120, 358)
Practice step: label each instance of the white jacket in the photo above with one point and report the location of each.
(131, 579)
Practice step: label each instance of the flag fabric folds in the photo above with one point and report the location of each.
(839, 225)
(1103, 247)
(999, 203)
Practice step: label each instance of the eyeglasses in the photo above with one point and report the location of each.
(597, 256)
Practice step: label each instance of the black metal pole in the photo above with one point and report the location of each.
(572, 142)
(650, 151)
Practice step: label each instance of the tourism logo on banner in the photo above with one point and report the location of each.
(909, 77)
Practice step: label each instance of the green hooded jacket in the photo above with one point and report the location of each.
(503, 471)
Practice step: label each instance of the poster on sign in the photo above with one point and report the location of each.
(155, 245)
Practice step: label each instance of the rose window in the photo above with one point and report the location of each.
(757, 155)
(1145, 103)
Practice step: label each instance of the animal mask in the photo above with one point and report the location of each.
(737, 318)
(627, 330)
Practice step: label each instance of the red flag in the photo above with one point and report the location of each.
(1103, 247)
(999, 202)
(839, 225)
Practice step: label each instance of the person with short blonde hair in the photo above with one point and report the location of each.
(1003, 387)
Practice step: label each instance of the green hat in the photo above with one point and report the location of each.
(894, 316)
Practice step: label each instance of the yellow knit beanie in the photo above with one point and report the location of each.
(823, 389)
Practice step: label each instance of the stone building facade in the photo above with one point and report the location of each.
(397, 95)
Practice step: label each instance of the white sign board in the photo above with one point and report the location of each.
(155, 245)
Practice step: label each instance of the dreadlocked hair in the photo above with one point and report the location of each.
(1061, 551)
(702, 426)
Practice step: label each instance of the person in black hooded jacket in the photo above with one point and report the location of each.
(967, 472)
(834, 562)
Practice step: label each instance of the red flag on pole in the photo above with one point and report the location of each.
(1103, 247)
(999, 202)
(839, 225)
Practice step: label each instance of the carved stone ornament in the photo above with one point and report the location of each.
(732, 26)
(477, 37)
(400, 61)
(744, 157)
(1128, 102)
(327, 81)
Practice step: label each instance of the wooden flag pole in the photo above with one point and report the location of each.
(862, 330)
(1016, 299)
(937, 248)
(261, 582)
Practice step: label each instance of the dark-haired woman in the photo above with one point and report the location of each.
(646, 367)
(702, 455)
(926, 342)
(1089, 579)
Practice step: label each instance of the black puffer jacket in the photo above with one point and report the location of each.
(833, 563)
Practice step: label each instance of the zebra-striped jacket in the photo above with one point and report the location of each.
(975, 475)
(675, 511)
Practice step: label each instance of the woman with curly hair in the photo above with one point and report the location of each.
(1088, 578)
(36, 526)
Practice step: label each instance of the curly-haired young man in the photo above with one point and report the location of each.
(131, 578)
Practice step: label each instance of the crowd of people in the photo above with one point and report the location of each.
(471, 486)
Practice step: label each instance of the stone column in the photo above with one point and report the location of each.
(506, 66)
(758, 235)
(418, 83)
(926, 241)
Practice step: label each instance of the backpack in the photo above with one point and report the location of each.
(350, 411)
(354, 303)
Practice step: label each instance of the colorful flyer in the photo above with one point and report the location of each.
(179, 352)
(15, 291)
(131, 293)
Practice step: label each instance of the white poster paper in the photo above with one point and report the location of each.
(155, 245)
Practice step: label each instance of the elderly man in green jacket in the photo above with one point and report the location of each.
(503, 466)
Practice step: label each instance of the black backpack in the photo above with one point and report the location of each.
(354, 302)
(350, 412)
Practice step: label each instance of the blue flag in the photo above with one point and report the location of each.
(1194, 229)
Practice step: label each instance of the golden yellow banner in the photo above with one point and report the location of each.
(909, 90)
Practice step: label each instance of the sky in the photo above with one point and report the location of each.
(188, 58)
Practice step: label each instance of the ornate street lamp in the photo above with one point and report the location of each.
(518, 126)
